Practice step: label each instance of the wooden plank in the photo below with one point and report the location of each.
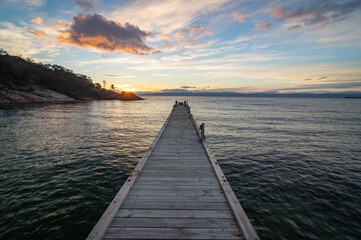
(172, 205)
(165, 194)
(160, 213)
(161, 167)
(176, 183)
(183, 161)
(173, 223)
(177, 198)
(175, 174)
(174, 154)
(172, 233)
(156, 188)
(194, 179)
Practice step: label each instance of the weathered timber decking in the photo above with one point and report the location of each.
(177, 191)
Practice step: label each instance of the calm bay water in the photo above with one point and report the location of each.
(294, 164)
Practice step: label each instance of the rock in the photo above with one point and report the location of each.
(128, 96)
(31, 94)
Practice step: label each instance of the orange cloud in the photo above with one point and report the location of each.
(166, 36)
(95, 31)
(58, 24)
(238, 17)
(37, 20)
(193, 32)
(275, 12)
(192, 42)
(260, 26)
(38, 34)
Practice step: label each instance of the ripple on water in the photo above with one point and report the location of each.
(294, 164)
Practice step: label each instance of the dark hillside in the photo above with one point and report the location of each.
(17, 72)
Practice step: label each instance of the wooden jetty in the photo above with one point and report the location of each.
(177, 191)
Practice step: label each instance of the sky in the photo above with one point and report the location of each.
(243, 46)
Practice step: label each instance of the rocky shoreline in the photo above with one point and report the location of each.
(31, 94)
(38, 94)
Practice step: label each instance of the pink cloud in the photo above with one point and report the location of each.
(193, 32)
(166, 36)
(261, 26)
(238, 17)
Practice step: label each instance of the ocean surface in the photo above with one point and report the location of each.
(294, 163)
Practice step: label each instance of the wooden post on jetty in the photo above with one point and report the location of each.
(177, 191)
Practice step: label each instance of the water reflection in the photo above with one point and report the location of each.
(293, 163)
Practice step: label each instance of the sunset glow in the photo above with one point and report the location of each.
(189, 45)
(125, 87)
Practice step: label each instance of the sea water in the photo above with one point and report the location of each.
(294, 163)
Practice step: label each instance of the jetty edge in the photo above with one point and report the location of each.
(177, 191)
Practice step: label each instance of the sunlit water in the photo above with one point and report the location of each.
(294, 164)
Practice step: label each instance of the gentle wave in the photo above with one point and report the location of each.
(293, 163)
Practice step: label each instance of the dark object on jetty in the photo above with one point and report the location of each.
(177, 191)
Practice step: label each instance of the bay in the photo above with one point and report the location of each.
(294, 163)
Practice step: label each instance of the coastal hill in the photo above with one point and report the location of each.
(25, 81)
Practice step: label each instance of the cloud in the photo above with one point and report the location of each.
(187, 87)
(37, 33)
(322, 78)
(34, 3)
(167, 16)
(166, 36)
(191, 42)
(116, 76)
(16, 40)
(174, 90)
(160, 74)
(277, 12)
(320, 12)
(87, 5)
(238, 17)
(344, 33)
(323, 86)
(193, 32)
(294, 26)
(184, 37)
(261, 26)
(37, 20)
(95, 31)
(307, 79)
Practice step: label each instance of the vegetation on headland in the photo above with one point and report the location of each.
(19, 75)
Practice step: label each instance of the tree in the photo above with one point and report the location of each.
(112, 86)
(104, 83)
(3, 52)
(97, 86)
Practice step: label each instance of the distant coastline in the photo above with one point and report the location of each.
(265, 95)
